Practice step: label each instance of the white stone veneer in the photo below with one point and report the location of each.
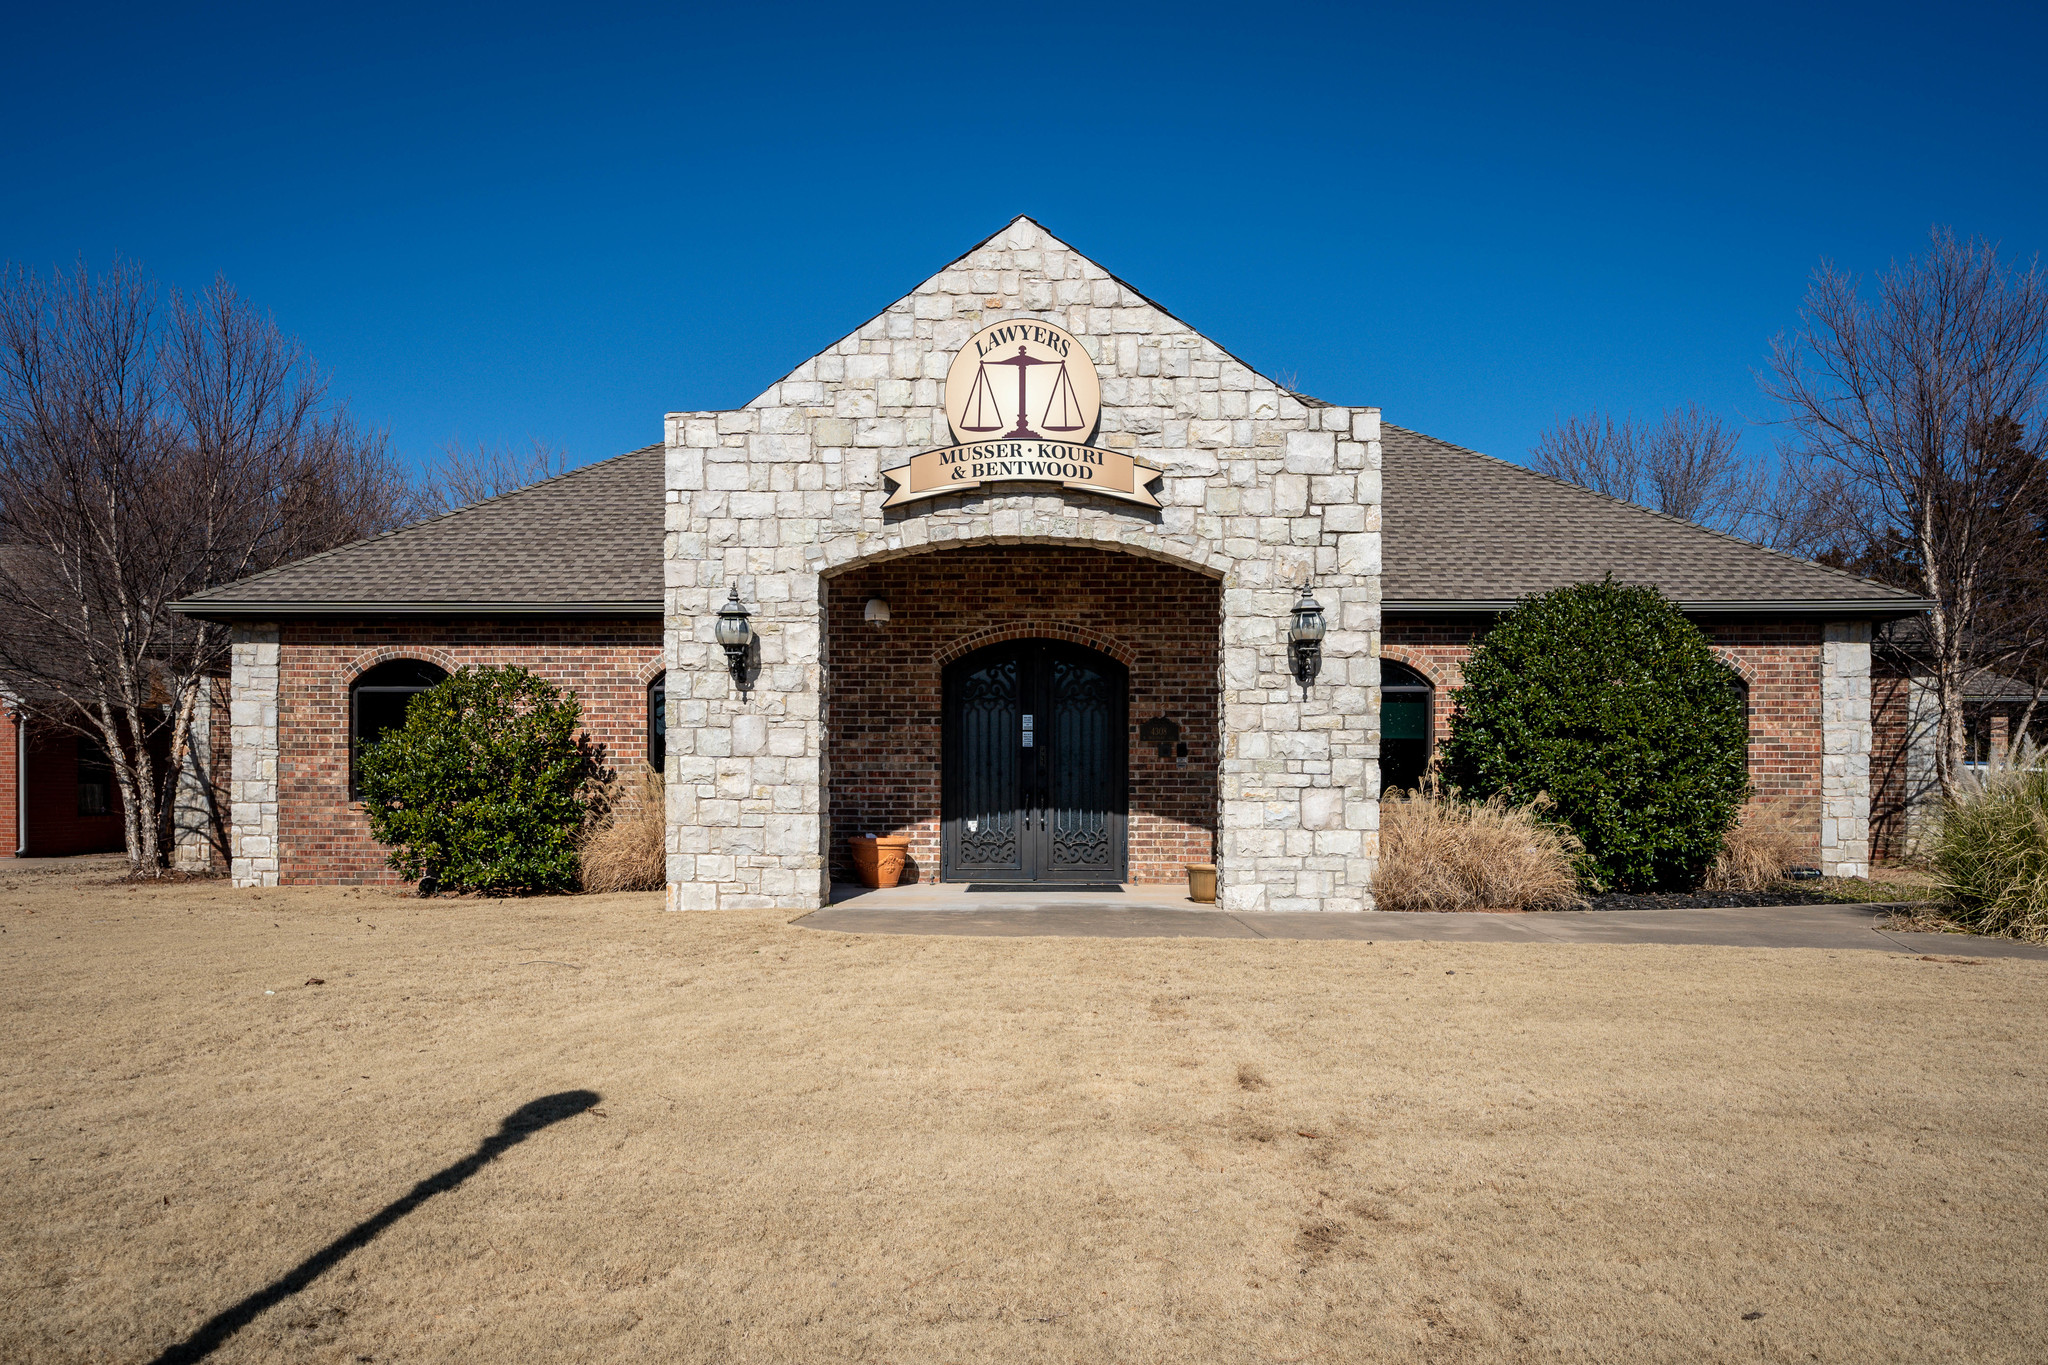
(252, 784)
(192, 827)
(1845, 749)
(1262, 490)
(1923, 774)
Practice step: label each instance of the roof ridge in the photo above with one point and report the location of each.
(295, 564)
(1121, 282)
(1651, 511)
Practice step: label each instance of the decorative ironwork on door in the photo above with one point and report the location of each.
(1035, 772)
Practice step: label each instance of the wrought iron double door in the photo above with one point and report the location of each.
(1035, 766)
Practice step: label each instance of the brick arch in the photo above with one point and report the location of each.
(1733, 658)
(845, 553)
(1421, 663)
(1097, 640)
(652, 670)
(363, 663)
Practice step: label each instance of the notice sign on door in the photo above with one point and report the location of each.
(1023, 402)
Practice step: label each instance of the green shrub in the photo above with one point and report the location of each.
(1991, 853)
(482, 788)
(1606, 699)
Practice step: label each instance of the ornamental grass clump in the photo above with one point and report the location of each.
(1765, 844)
(483, 787)
(626, 849)
(1991, 852)
(1607, 700)
(1440, 853)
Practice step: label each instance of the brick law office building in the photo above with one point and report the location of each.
(1022, 562)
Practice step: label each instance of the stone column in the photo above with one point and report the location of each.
(193, 803)
(1299, 827)
(745, 773)
(1845, 749)
(1923, 778)
(252, 711)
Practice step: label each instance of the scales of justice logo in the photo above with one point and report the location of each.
(1024, 402)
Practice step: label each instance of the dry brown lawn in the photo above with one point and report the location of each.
(820, 1147)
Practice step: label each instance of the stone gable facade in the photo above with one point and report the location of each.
(1262, 491)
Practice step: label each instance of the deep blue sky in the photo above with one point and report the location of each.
(503, 222)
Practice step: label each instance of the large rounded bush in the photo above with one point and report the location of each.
(482, 788)
(1609, 701)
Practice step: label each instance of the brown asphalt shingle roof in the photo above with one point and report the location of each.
(587, 541)
(1461, 528)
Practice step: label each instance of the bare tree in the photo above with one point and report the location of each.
(1697, 470)
(466, 474)
(1688, 465)
(146, 454)
(1594, 452)
(1929, 404)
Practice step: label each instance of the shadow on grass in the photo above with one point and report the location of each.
(521, 1124)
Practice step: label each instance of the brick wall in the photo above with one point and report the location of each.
(1890, 784)
(883, 694)
(55, 828)
(1780, 660)
(324, 837)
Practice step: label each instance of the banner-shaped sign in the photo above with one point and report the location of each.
(961, 469)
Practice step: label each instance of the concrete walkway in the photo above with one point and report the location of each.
(1158, 912)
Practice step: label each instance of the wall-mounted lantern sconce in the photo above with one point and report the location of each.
(1305, 640)
(877, 612)
(734, 635)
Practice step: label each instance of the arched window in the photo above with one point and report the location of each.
(1740, 686)
(657, 721)
(1405, 701)
(377, 702)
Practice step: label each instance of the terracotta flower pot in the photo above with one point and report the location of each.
(879, 862)
(1201, 881)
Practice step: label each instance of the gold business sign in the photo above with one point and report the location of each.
(1023, 401)
(957, 469)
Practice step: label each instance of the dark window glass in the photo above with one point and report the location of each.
(657, 721)
(1405, 742)
(1978, 721)
(95, 778)
(377, 702)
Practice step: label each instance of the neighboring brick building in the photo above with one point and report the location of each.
(58, 796)
(1050, 655)
(1999, 715)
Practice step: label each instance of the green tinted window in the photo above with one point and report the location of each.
(1404, 715)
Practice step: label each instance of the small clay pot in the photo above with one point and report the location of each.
(1201, 881)
(879, 862)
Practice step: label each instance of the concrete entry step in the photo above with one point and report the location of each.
(1156, 912)
(983, 897)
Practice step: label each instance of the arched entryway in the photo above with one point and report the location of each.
(1034, 786)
